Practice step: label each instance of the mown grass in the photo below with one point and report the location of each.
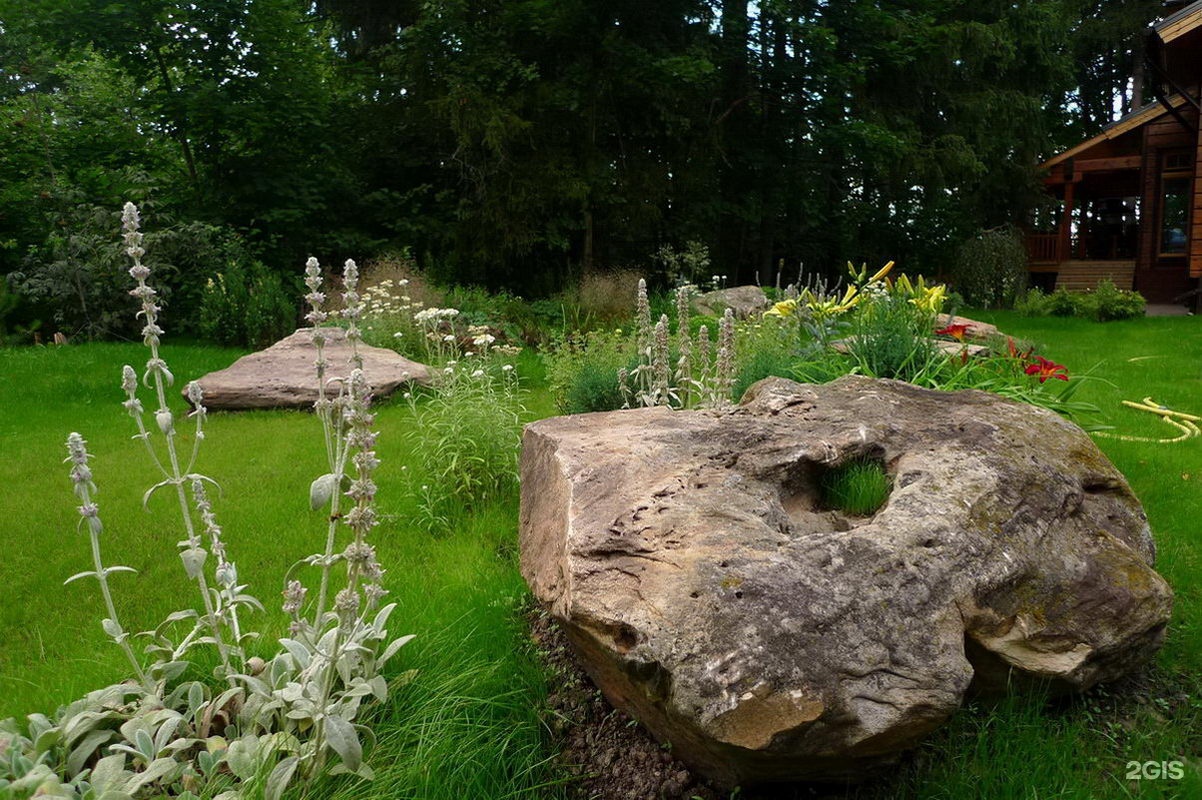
(468, 725)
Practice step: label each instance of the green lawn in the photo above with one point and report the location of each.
(468, 726)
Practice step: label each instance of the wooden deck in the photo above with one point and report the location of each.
(1079, 276)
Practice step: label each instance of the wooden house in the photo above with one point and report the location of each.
(1131, 196)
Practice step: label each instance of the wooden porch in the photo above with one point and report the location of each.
(1080, 275)
(1078, 263)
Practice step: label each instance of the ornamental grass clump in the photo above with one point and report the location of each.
(257, 725)
(858, 488)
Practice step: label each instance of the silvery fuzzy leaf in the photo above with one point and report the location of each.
(110, 570)
(164, 735)
(164, 769)
(279, 670)
(194, 561)
(280, 777)
(177, 745)
(78, 575)
(298, 652)
(253, 684)
(47, 739)
(379, 688)
(392, 648)
(365, 772)
(361, 688)
(196, 697)
(144, 744)
(112, 628)
(109, 774)
(321, 491)
(84, 750)
(291, 692)
(344, 740)
(75, 726)
(281, 741)
(146, 496)
(382, 617)
(325, 645)
(343, 665)
(242, 757)
(169, 671)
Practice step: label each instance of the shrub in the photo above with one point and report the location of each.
(687, 266)
(1104, 304)
(582, 369)
(78, 273)
(1063, 303)
(247, 305)
(990, 270)
(1111, 303)
(1033, 303)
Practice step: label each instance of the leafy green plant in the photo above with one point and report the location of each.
(1111, 303)
(246, 305)
(859, 487)
(1033, 303)
(891, 338)
(582, 369)
(1105, 303)
(1063, 303)
(468, 434)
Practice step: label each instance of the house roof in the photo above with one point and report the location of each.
(1135, 119)
(1181, 23)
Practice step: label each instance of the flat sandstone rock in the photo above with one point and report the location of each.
(742, 300)
(284, 375)
(712, 596)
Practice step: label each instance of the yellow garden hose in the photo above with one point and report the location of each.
(1186, 423)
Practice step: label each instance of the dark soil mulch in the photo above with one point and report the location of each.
(611, 754)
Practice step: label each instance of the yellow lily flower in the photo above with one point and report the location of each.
(785, 308)
(882, 272)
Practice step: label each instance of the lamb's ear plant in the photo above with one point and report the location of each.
(267, 722)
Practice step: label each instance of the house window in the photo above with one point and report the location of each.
(1176, 180)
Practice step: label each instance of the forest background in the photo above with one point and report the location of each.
(517, 144)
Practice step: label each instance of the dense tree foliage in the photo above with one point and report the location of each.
(518, 142)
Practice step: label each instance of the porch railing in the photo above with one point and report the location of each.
(1044, 248)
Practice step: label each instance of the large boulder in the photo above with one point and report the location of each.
(711, 595)
(285, 376)
(742, 300)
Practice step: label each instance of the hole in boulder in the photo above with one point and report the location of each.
(625, 638)
(857, 488)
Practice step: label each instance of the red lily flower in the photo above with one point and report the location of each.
(1014, 353)
(957, 332)
(1047, 369)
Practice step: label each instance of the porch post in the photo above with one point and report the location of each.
(1064, 247)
